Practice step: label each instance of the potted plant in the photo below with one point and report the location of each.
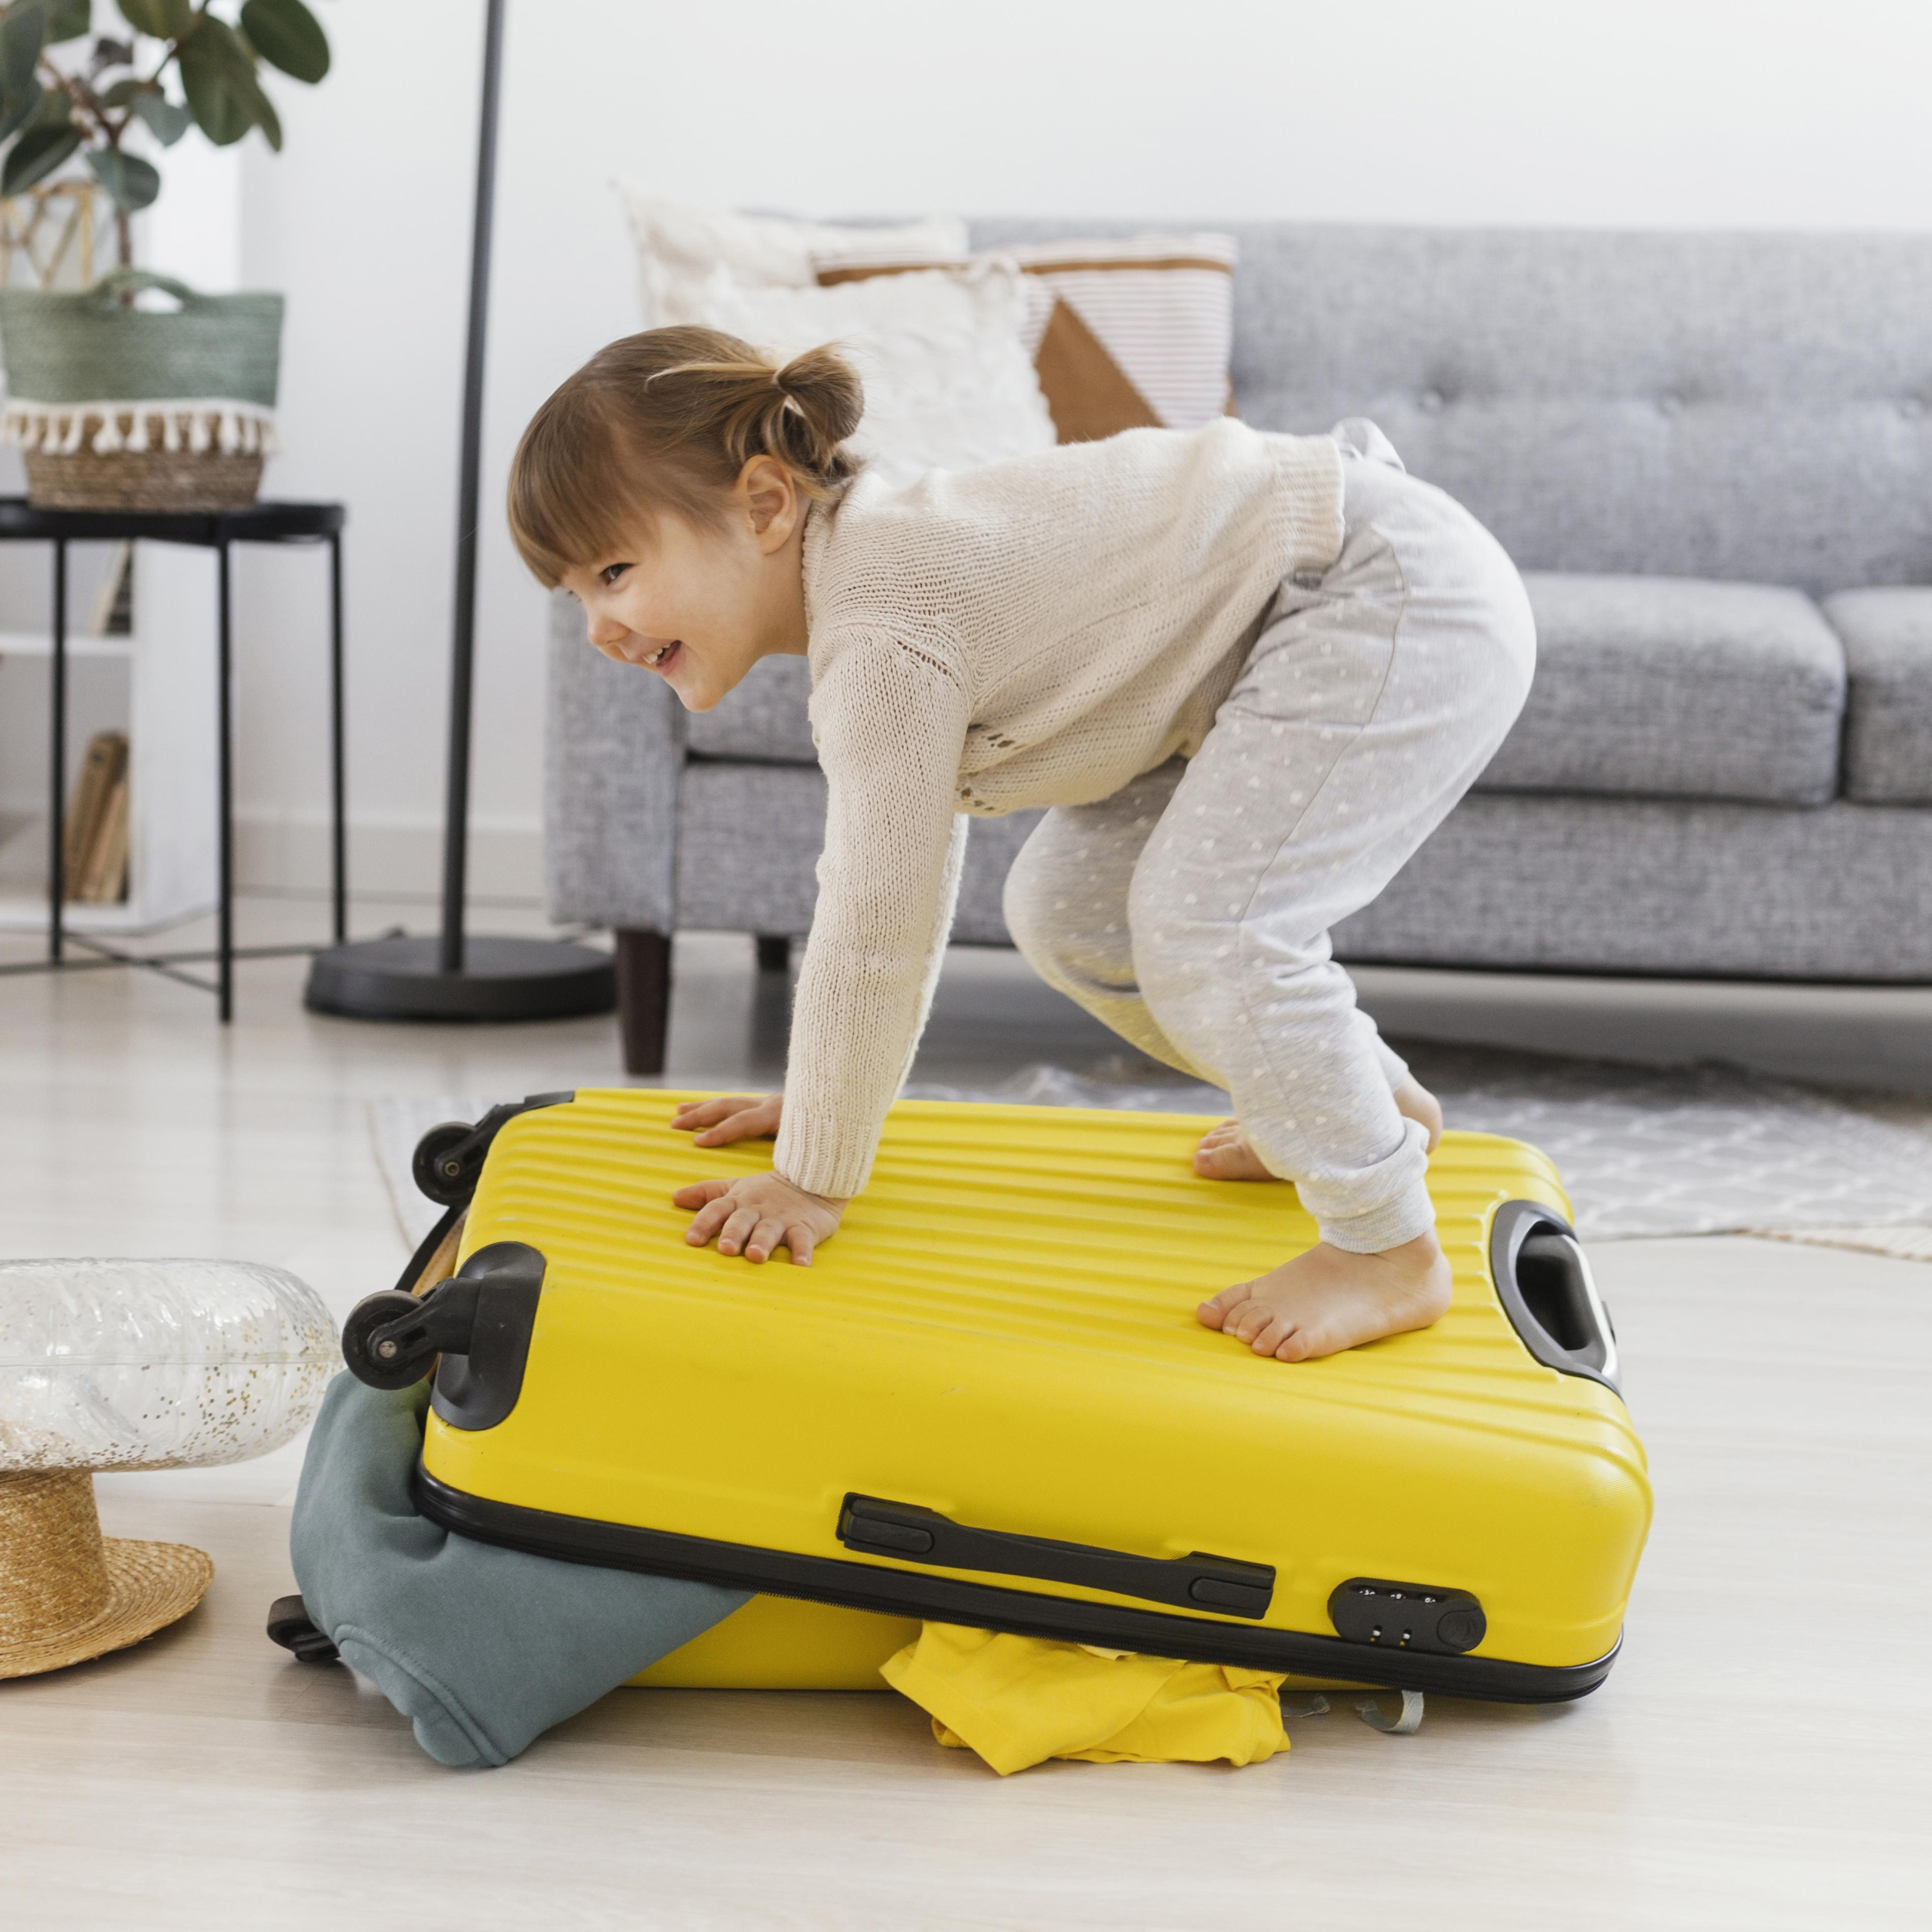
(116, 406)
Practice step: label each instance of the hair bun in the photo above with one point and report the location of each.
(826, 400)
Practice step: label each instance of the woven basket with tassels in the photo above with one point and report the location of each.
(118, 408)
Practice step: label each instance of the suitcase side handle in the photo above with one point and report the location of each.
(1543, 1280)
(875, 1527)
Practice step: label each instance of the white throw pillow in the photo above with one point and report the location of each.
(1126, 334)
(680, 244)
(949, 382)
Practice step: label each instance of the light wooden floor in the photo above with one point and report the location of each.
(1757, 1760)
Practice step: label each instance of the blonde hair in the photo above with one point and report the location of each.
(666, 420)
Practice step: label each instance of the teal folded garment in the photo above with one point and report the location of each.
(482, 1649)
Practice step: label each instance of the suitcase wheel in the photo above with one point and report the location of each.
(289, 1625)
(439, 1170)
(386, 1362)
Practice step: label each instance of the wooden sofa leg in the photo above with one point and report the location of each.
(644, 997)
(775, 953)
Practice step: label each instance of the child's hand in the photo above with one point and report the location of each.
(731, 1117)
(758, 1214)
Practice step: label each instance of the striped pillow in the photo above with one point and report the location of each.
(1124, 334)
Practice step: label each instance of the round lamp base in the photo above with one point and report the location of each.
(501, 979)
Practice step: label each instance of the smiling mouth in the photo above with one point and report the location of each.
(660, 658)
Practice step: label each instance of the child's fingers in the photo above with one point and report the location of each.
(715, 1214)
(696, 1194)
(720, 1106)
(798, 1241)
(740, 1126)
(717, 1123)
(765, 1240)
(737, 1229)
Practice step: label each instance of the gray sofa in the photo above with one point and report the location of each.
(1711, 456)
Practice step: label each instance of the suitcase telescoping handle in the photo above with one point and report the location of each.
(877, 1528)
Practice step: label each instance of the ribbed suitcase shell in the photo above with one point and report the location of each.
(1003, 1332)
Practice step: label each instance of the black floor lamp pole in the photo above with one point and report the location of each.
(456, 812)
(455, 977)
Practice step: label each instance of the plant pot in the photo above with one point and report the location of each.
(116, 408)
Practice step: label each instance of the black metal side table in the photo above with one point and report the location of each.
(216, 530)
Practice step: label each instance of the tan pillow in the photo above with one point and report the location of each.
(1124, 334)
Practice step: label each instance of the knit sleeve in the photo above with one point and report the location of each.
(890, 724)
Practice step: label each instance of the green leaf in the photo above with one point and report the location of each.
(287, 36)
(266, 117)
(36, 156)
(121, 94)
(59, 19)
(159, 19)
(168, 120)
(132, 183)
(16, 110)
(21, 35)
(67, 19)
(56, 109)
(218, 79)
(220, 61)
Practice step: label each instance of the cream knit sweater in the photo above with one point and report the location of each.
(1035, 633)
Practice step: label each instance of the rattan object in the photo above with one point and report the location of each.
(142, 480)
(68, 1593)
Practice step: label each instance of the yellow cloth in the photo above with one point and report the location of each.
(1018, 1701)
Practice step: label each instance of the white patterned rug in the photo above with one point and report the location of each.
(1644, 1151)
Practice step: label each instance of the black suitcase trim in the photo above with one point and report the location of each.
(906, 1593)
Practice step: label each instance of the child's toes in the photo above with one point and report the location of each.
(1248, 1321)
(1214, 1314)
(1295, 1345)
(1224, 1154)
(1276, 1335)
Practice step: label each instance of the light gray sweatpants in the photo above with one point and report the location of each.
(1190, 911)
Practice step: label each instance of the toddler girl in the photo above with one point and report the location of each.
(1248, 674)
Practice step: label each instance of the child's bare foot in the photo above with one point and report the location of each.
(1328, 1299)
(1224, 1154)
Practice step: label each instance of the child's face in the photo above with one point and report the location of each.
(699, 606)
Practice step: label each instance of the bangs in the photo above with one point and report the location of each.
(574, 498)
(581, 488)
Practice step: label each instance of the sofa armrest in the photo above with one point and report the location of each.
(1887, 633)
(613, 757)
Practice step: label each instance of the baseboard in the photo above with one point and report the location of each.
(280, 852)
(1869, 1036)
(391, 858)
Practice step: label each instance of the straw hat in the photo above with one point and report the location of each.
(66, 1592)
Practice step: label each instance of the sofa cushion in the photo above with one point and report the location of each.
(1657, 687)
(1672, 687)
(763, 719)
(1686, 887)
(1887, 635)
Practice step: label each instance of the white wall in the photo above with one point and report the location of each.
(1679, 113)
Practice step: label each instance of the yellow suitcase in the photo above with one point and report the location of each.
(989, 1402)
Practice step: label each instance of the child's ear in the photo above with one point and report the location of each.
(770, 497)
